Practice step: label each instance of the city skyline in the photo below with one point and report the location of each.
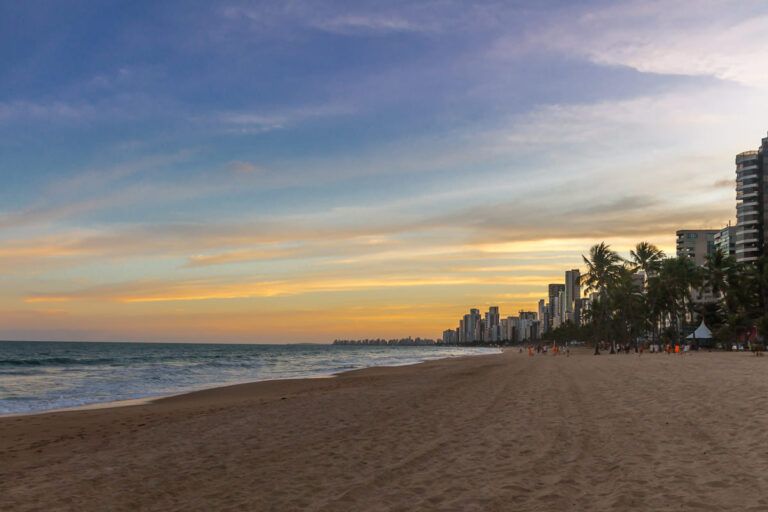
(312, 171)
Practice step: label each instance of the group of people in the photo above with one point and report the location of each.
(543, 349)
(668, 348)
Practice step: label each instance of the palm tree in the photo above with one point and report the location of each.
(657, 302)
(646, 257)
(717, 275)
(603, 266)
(677, 277)
(717, 270)
(628, 307)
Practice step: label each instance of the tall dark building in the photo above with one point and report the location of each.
(554, 303)
(572, 295)
(554, 290)
(751, 213)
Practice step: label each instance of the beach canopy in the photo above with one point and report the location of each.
(702, 332)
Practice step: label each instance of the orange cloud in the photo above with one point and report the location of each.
(211, 290)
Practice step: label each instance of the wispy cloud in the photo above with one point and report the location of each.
(725, 183)
(249, 121)
(356, 19)
(92, 190)
(353, 24)
(209, 289)
(29, 111)
(716, 38)
(242, 167)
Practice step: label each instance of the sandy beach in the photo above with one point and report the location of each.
(497, 432)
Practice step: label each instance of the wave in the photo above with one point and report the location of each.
(57, 361)
(64, 375)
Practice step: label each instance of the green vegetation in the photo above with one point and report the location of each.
(659, 299)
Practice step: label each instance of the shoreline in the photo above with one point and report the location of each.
(148, 400)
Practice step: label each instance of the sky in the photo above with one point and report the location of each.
(300, 171)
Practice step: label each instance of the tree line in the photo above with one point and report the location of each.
(654, 297)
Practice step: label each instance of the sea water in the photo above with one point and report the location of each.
(38, 376)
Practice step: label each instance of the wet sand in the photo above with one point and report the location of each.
(498, 432)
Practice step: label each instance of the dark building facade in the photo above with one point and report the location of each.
(751, 213)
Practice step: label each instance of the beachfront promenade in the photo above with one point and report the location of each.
(500, 432)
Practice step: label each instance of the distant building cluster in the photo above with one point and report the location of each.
(563, 304)
(746, 240)
(475, 329)
(381, 341)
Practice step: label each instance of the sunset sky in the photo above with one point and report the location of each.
(302, 171)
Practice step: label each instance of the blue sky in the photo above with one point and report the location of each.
(199, 171)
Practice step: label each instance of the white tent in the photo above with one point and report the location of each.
(702, 332)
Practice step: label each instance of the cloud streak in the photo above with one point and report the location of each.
(721, 39)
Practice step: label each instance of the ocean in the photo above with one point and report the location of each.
(39, 376)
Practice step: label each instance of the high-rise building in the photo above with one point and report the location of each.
(696, 244)
(527, 326)
(583, 307)
(470, 325)
(572, 294)
(751, 213)
(553, 319)
(492, 330)
(555, 306)
(510, 327)
(725, 240)
(543, 315)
